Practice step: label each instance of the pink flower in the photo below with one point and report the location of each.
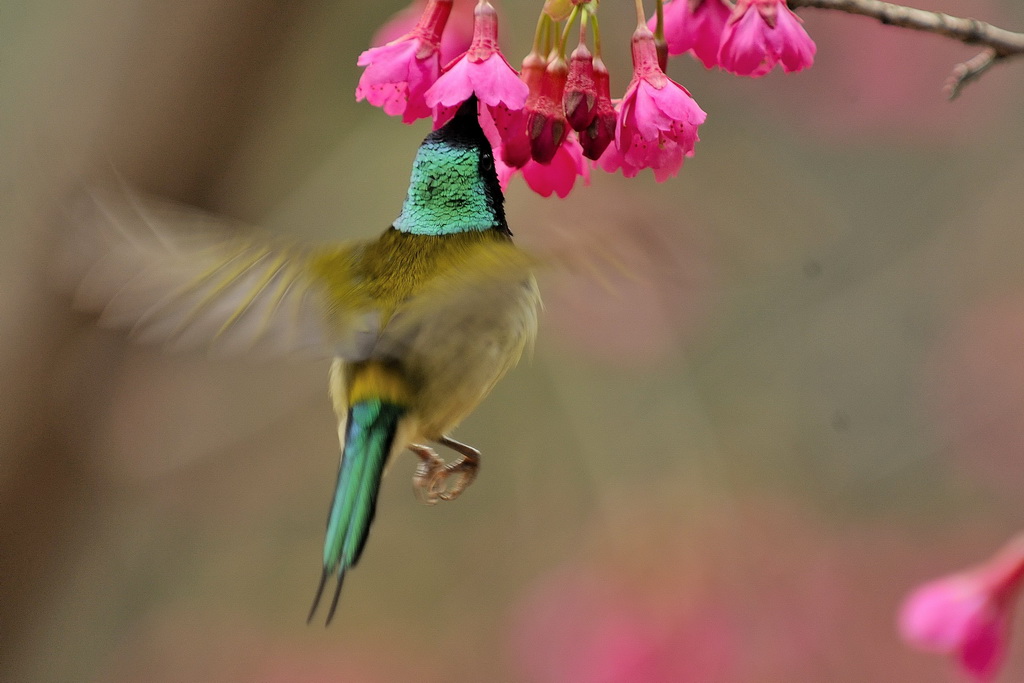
(657, 118)
(761, 34)
(398, 74)
(558, 176)
(457, 35)
(579, 627)
(482, 71)
(695, 26)
(968, 613)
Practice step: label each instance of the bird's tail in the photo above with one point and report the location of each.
(378, 401)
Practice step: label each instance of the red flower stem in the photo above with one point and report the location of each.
(597, 35)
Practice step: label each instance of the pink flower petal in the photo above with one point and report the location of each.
(453, 87)
(939, 614)
(698, 32)
(968, 614)
(984, 648)
(612, 160)
(647, 118)
(560, 175)
(396, 77)
(745, 46)
(796, 50)
(496, 82)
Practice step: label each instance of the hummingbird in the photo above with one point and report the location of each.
(421, 322)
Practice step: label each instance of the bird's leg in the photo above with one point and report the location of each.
(465, 469)
(431, 478)
(430, 465)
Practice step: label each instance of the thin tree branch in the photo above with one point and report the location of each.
(999, 43)
(965, 72)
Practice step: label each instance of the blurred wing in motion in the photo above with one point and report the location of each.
(176, 276)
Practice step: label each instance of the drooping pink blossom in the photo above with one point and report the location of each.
(968, 614)
(558, 176)
(695, 26)
(482, 71)
(398, 74)
(457, 35)
(657, 118)
(762, 33)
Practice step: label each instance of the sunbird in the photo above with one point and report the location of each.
(421, 322)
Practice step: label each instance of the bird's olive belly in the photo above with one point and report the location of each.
(456, 361)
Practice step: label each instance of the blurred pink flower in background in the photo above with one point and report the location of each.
(576, 626)
(762, 33)
(694, 26)
(763, 591)
(968, 614)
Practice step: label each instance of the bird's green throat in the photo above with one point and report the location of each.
(454, 187)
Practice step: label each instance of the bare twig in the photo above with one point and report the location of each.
(999, 43)
(965, 72)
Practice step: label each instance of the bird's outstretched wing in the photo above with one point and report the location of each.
(176, 276)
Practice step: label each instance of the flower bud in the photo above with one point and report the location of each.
(546, 123)
(601, 131)
(515, 150)
(580, 89)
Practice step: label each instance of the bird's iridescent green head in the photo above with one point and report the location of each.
(454, 187)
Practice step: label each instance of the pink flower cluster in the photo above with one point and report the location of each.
(968, 614)
(748, 39)
(547, 120)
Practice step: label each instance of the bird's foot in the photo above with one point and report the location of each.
(436, 480)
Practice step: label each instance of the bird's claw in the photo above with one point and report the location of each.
(436, 480)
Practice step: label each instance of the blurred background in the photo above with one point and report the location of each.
(731, 467)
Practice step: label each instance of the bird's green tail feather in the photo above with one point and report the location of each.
(369, 434)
